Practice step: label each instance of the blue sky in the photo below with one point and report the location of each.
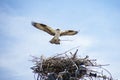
(97, 20)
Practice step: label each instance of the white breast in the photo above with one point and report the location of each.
(57, 33)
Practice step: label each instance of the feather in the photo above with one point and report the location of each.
(56, 33)
(44, 27)
(68, 32)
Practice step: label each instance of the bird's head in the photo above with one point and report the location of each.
(57, 29)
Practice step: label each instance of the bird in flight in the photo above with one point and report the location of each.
(56, 33)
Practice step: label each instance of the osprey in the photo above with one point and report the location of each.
(56, 33)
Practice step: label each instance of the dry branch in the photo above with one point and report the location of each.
(64, 67)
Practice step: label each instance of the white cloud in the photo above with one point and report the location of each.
(26, 40)
(30, 41)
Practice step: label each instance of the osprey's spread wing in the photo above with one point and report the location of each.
(44, 27)
(68, 32)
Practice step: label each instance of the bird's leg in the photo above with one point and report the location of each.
(55, 40)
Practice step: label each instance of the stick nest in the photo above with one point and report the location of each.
(68, 66)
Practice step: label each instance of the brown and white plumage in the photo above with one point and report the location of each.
(56, 33)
